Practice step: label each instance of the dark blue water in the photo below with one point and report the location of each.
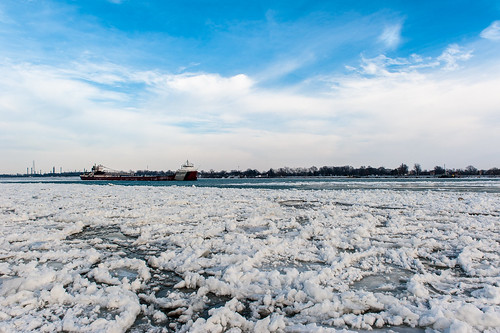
(490, 185)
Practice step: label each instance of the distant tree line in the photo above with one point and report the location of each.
(348, 171)
(325, 171)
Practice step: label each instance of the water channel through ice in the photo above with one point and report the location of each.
(312, 257)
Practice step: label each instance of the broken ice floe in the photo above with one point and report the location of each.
(110, 258)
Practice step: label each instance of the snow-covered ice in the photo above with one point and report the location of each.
(314, 256)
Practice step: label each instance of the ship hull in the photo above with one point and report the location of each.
(184, 176)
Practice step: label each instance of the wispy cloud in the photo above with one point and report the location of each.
(492, 32)
(453, 55)
(448, 60)
(284, 67)
(391, 36)
(384, 66)
(3, 18)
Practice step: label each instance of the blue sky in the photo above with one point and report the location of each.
(249, 84)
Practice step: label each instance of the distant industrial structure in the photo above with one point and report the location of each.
(31, 171)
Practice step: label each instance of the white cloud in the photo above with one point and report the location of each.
(385, 112)
(382, 65)
(492, 32)
(209, 85)
(391, 36)
(452, 55)
(416, 117)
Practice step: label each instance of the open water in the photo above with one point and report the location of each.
(311, 183)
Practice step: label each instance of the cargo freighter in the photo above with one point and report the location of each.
(99, 172)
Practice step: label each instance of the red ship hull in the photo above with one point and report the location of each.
(190, 175)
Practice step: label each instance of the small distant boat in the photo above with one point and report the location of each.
(99, 172)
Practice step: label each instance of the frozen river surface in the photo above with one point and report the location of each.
(250, 256)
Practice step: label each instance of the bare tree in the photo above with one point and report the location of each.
(470, 170)
(417, 168)
(438, 170)
(403, 169)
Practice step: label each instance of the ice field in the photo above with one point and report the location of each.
(250, 256)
